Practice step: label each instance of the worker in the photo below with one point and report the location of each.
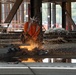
(31, 31)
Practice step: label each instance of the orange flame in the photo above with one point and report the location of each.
(31, 46)
(29, 60)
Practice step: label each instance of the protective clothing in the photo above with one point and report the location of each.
(33, 29)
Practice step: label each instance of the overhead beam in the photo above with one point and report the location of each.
(13, 11)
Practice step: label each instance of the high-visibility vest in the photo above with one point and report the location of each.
(33, 29)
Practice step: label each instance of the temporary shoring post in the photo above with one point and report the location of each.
(63, 15)
(31, 8)
(36, 6)
(68, 8)
(68, 15)
(36, 10)
(54, 14)
(0, 12)
(13, 11)
(49, 15)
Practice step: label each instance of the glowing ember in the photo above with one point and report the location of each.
(31, 46)
(29, 60)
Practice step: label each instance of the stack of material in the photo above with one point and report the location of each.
(9, 38)
(59, 38)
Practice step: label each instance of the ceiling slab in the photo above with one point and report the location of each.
(58, 0)
(13, 1)
(7, 1)
(53, 0)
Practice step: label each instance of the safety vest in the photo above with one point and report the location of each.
(33, 29)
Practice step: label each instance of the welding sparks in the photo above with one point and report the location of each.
(31, 46)
(28, 60)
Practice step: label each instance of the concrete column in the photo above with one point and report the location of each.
(68, 8)
(54, 14)
(63, 15)
(0, 12)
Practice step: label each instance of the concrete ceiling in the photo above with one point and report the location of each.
(12, 1)
(54, 0)
(58, 0)
(7, 1)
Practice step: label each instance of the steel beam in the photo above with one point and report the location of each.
(13, 11)
(56, 52)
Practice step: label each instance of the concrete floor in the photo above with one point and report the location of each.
(38, 68)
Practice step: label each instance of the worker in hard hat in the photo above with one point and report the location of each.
(31, 31)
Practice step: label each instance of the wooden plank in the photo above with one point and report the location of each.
(13, 11)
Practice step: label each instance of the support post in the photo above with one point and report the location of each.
(54, 14)
(36, 6)
(68, 8)
(49, 15)
(22, 13)
(63, 15)
(32, 8)
(0, 13)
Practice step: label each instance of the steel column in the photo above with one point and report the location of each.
(36, 6)
(27, 11)
(22, 13)
(63, 15)
(32, 7)
(68, 8)
(54, 14)
(49, 15)
(0, 13)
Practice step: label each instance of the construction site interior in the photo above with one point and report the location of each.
(54, 54)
